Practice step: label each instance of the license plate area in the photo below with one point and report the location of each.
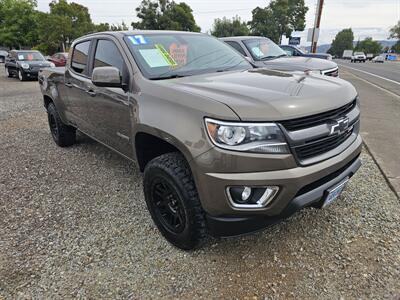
(334, 192)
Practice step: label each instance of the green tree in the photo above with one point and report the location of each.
(165, 15)
(342, 41)
(396, 47)
(395, 34)
(280, 17)
(76, 19)
(369, 46)
(395, 31)
(18, 23)
(64, 23)
(229, 27)
(113, 27)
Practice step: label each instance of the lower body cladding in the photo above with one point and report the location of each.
(284, 192)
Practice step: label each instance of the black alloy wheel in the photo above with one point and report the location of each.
(168, 206)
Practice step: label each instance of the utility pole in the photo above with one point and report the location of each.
(317, 21)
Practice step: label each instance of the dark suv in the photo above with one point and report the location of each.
(25, 64)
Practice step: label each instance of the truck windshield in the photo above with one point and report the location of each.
(169, 55)
(30, 56)
(263, 49)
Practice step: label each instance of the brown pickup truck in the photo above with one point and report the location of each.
(225, 148)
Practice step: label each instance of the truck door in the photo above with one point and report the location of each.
(109, 108)
(77, 84)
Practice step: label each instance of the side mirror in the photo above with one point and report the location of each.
(107, 77)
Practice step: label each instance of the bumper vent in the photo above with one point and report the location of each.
(318, 119)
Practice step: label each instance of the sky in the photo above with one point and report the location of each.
(366, 17)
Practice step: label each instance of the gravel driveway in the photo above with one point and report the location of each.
(74, 224)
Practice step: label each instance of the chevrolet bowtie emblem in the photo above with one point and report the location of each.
(339, 126)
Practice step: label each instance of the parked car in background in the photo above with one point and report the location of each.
(25, 64)
(226, 149)
(347, 54)
(3, 55)
(263, 52)
(370, 56)
(59, 59)
(358, 56)
(378, 59)
(295, 51)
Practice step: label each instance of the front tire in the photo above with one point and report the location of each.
(21, 75)
(8, 74)
(63, 135)
(173, 202)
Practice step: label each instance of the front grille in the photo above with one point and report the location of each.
(321, 146)
(318, 119)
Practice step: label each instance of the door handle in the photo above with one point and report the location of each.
(91, 93)
(68, 84)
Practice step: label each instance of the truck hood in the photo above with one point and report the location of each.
(298, 64)
(317, 55)
(266, 95)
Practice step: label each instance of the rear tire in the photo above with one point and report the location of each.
(63, 135)
(173, 202)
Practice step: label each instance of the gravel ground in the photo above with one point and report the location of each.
(74, 224)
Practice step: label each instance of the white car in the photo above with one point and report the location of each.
(378, 59)
(358, 56)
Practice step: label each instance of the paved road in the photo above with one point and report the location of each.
(380, 119)
(386, 75)
(389, 70)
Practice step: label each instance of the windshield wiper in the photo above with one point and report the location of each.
(169, 77)
(272, 56)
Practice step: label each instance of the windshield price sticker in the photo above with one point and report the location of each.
(20, 57)
(137, 39)
(154, 58)
(179, 53)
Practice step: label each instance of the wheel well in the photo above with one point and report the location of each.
(149, 146)
(47, 100)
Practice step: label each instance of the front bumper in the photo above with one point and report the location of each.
(30, 73)
(233, 226)
(299, 187)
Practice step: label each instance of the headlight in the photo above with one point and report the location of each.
(313, 72)
(24, 66)
(247, 137)
(52, 65)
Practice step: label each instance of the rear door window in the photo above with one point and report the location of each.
(79, 61)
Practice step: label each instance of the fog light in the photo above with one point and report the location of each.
(251, 197)
(246, 193)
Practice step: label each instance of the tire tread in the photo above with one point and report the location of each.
(175, 165)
